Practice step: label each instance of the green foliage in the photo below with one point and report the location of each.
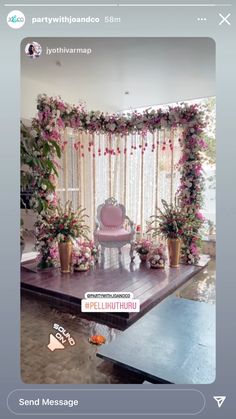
(172, 221)
(37, 165)
(62, 224)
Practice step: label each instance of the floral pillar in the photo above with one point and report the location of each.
(192, 183)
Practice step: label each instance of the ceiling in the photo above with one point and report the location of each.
(153, 70)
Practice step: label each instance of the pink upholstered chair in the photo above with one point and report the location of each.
(110, 231)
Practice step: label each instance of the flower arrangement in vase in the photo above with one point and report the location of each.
(68, 225)
(61, 225)
(142, 247)
(82, 258)
(170, 223)
(157, 256)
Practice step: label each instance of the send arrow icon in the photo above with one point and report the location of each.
(219, 400)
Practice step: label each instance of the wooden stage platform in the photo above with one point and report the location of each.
(112, 274)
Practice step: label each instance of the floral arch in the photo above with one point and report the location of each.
(43, 142)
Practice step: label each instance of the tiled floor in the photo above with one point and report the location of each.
(78, 364)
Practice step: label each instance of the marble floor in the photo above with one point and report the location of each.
(78, 364)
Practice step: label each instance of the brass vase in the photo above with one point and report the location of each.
(174, 248)
(65, 253)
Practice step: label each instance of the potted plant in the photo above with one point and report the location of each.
(170, 223)
(68, 225)
(142, 247)
(82, 258)
(157, 256)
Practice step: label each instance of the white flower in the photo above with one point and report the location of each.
(112, 127)
(188, 183)
(44, 187)
(50, 197)
(33, 132)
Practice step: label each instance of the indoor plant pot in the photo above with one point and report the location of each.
(65, 253)
(174, 248)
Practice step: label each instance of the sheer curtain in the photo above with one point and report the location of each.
(137, 179)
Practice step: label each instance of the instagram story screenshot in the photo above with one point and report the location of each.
(118, 209)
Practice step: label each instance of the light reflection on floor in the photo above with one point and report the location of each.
(79, 364)
(202, 286)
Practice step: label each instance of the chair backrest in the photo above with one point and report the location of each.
(111, 214)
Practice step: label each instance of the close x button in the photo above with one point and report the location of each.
(224, 19)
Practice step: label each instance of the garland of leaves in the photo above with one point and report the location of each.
(43, 142)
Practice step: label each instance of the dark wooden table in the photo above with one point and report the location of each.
(173, 343)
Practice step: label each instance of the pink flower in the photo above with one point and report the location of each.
(194, 249)
(200, 216)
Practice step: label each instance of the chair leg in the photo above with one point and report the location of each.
(119, 250)
(131, 253)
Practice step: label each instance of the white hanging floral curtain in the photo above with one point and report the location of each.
(137, 179)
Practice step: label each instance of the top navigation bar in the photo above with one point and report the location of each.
(119, 4)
